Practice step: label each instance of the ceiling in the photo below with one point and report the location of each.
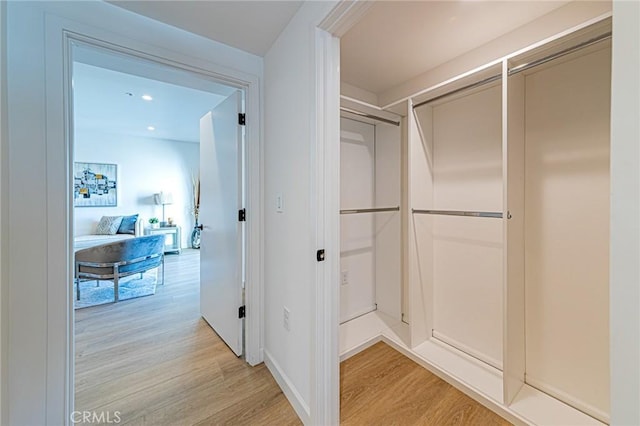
(110, 101)
(395, 41)
(398, 40)
(252, 26)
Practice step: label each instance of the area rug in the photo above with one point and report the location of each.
(128, 288)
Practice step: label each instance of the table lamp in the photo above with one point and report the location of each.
(162, 199)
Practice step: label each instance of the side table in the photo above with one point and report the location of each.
(172, 237)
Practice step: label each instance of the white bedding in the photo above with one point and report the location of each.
(84, 241)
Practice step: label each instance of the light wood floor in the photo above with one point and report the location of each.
(156, 362)
(380, 386)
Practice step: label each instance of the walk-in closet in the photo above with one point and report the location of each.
(475, 233)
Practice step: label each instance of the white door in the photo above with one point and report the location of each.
(221, 238)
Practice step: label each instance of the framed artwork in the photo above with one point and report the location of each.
(95, 185)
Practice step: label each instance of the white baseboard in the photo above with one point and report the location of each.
(290, 391)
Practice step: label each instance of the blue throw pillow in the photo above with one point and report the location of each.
(128, 225)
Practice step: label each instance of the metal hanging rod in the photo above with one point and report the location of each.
(560, 54)
(381, 209)
(497, 215)
(461, 89)
(520, 68)
(371, 116)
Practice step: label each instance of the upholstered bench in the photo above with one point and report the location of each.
(119, 259)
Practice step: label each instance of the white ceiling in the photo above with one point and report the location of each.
(394, 42)
(101, 103)
(399, 40)
(252, 26)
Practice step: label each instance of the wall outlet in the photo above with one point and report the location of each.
(344, 277)
(286, 316)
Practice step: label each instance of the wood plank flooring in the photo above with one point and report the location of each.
(156, 362)
(380, 386)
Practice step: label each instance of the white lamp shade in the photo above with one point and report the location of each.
(162, 198)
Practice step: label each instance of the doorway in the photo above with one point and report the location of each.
(158, 165)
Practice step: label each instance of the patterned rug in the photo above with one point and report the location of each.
(128, 288)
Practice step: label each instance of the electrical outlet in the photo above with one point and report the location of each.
(344, 277)
(285, 317)
(279, 203)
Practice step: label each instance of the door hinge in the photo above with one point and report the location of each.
(320, 255)
(241, 312)
(242, 215)
(241, 118)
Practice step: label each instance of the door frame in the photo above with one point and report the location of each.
(61, 34)
(325, 376)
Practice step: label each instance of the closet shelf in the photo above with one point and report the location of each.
(497, 215)
(370, 116)
(560, 54)
(375, 210)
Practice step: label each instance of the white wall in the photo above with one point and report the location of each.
(625, 215)
(357, 240)
(38, 267)
(145, 166)
(566, 254)
(290, 244)
(467, 251)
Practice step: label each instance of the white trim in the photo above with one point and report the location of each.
(624, 269)
(495, 363)
(360, 347)
(344, 16)
(3, 215)
(359, 312)
(289, 389)
(567, 398)
(325, 365)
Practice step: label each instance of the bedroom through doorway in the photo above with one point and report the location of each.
(142, 315)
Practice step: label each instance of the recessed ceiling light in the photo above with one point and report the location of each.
(151, 128)
(147, 97)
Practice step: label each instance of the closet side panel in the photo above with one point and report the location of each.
(357, 190)
(513, 363)
(404, 220)
(468, 257)
(387, 236)
(567, 126)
